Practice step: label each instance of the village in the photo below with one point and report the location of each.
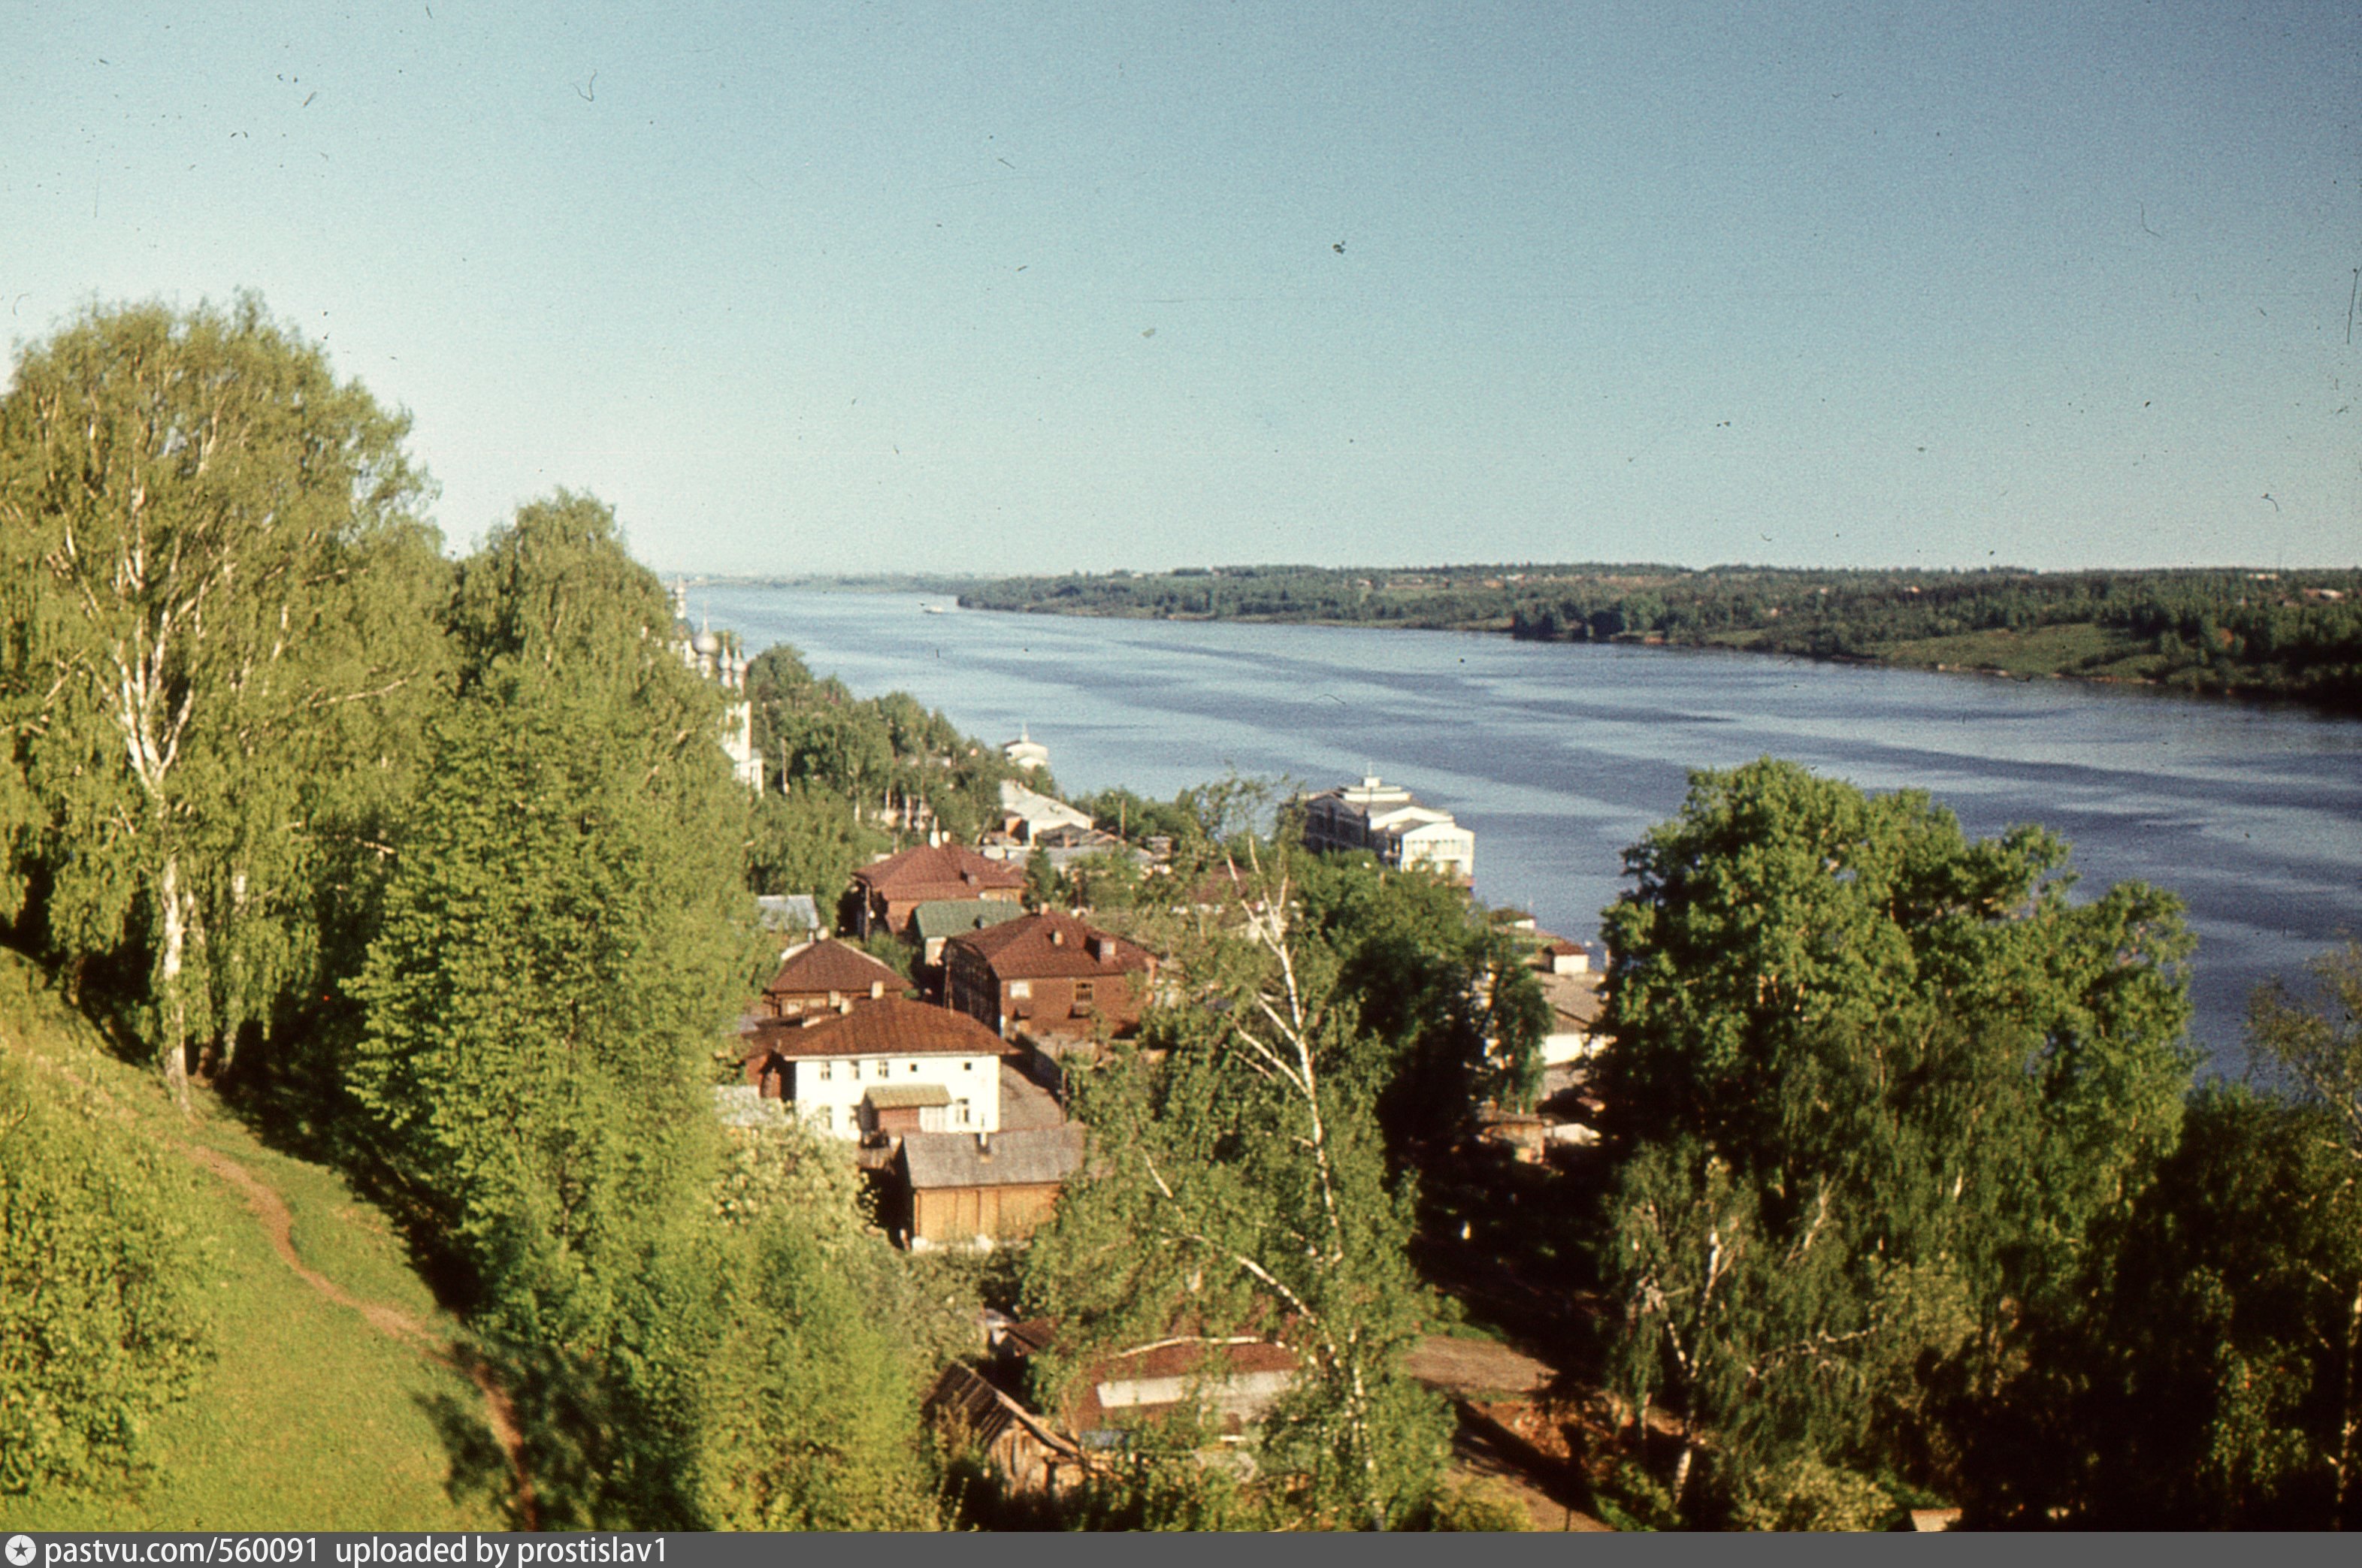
(949, 1073)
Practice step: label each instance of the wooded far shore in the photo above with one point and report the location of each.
(2250, 632)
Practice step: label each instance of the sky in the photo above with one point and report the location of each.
(1034, 288)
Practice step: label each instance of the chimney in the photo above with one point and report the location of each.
(984, 1145)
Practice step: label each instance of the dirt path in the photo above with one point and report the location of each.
(280, 1225)
(1471, 1370)
(270, 1209)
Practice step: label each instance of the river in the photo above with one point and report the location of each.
(1558, 755)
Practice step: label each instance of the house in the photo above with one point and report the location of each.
(1237, 1375)
(963, 1190)
(827, 976)
(1018, 1447)
(891, 890)
(939, 921)
(1026, 814)
(1390, 822)
(1047, 974)
(1571, 986)
(1026, 752)
(832, 1072)
(793, 916)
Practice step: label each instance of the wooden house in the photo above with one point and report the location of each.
(823, 977)
(890, 891)
(1047, 974)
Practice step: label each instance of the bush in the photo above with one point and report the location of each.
(100, 1314)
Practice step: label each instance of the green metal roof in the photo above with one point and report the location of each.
(951, 917)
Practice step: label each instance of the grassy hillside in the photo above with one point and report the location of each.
(310, 1416)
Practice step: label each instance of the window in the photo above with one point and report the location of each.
(915, 1067)
(1021, 990)
(960, 1108)
(1082, 992)
(879, 1068)
(823, 1072)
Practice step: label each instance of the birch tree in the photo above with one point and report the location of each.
(218, 595)
(1240, 1191)
(1929, 1074)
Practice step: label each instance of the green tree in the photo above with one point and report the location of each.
(1871, 1086)
(2212, 1387)
(2317, 1049)
(218, 593)
(1239, 1185)
(567, 933)
(807, 841)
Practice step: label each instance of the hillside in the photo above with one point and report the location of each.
(324, 1403)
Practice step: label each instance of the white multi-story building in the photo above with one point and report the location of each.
(889, 1066)
(1389, 821)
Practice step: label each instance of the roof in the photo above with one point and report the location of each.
(914, 873)
(831, 965)
(787, 912)
(993, 1159)
(1051, 946)
(950, 917)
(907, 1097)
(985, 1412)
(891, 1026)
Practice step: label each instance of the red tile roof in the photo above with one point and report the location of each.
(948, 870)
(1051, 946)
(830, 965)
(896, 1027)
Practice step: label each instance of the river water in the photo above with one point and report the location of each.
(1558, 756)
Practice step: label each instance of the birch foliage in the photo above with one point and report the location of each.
(218, 593)
(1873, 1086)
(1239, 1188)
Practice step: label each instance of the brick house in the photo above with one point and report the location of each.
(827, 976)
(1047, 974)
(890, 891)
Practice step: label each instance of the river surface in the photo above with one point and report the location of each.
(1558, 756)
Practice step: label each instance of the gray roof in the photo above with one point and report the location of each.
(955, 916)
(993, 1159)
(787, 912)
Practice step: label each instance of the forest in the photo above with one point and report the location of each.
(2284, 634)
(329, 856)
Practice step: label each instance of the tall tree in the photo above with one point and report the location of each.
(563, 943)
(218, 589)
(568, 931)
(1872, 1084)
(2317, 1049)
(1240, 1187)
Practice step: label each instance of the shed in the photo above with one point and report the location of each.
(964, 1189)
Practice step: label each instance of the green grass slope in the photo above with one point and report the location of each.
(310, 1416)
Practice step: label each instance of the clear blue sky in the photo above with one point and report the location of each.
(842, 288)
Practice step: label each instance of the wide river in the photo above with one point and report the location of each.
(1558, 756)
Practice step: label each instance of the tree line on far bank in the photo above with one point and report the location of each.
(2293, 634)
(438, 869)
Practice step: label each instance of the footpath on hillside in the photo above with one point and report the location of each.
(271, 1211)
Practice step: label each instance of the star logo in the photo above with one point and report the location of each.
(20, 1550)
